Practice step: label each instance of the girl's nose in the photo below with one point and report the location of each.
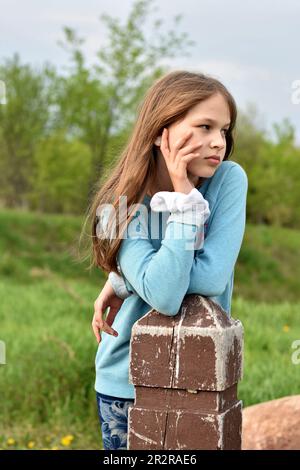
(217, 141)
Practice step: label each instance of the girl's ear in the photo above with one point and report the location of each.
(158, 141)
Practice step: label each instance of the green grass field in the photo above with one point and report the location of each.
(47, 386)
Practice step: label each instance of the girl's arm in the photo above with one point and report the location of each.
(161, 277)
(214, 263)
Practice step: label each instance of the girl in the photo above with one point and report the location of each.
(176, 165)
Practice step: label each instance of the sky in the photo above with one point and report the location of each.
(251, 46)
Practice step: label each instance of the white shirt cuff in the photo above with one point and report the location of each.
(189, 208)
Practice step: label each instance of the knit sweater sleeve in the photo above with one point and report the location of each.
(215, 261)
(161, 277)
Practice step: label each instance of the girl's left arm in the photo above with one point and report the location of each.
(214, 263)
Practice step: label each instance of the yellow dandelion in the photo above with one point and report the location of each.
(286, 328)
(31, 445)
(10, 441)
(66, 440)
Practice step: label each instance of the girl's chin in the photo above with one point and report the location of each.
(202, 172)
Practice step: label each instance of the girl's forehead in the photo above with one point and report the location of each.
(214, 108)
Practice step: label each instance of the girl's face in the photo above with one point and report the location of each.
(209, 121)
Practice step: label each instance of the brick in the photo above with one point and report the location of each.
(185, 370)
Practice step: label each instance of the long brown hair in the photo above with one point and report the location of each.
(167, 101)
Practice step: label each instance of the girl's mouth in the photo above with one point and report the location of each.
(213, 160)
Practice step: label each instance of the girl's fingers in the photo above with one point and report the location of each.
(105, 327)
(99, 324)
(96, 332)
(188, 158)
(189, 149)
(178, 157)
(109, 330)
(111, 316)
(180, 142)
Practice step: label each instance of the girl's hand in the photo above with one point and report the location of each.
(107, 298)
(177, 159)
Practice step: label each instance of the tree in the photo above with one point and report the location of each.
(61, 174)
(23, 121)
(101, 102)
(273, 170)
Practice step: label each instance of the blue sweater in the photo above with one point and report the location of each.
(160, 271)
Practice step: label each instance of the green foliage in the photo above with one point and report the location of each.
(23, 122)
(92, 104)
(131, 60)
(100, 102)
(268, 268)
(35, 246)
(62, 171)
(273, 170)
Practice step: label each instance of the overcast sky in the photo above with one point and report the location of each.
(252, 46)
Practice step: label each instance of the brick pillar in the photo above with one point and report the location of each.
(185, 370)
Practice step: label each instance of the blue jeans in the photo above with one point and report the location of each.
(113, 417)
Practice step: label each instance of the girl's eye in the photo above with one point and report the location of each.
(208, 126)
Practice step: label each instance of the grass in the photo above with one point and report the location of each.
(269, 332)
(268, 267)
(50, 349)
(47, 386)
